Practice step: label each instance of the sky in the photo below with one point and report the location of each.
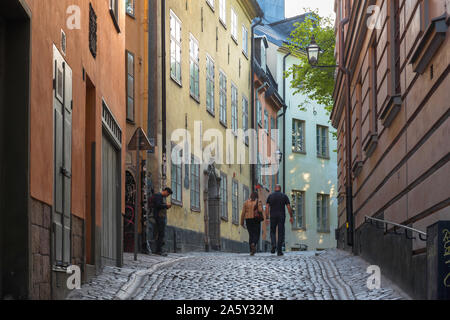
(295, 7)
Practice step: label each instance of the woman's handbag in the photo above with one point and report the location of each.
(258, 214)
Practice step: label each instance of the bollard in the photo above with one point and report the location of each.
(438, 261)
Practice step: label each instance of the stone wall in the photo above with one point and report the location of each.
(40, 251)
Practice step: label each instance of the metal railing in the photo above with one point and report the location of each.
(385, 226)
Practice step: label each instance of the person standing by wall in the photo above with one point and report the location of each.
(160, 214)
(249, 215)
(276, 204)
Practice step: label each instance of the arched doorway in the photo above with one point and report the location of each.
(128, 224)
(213, 224)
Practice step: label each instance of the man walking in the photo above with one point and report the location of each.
(160, 213)
(276, 204)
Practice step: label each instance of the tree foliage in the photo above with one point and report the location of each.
(317, 84)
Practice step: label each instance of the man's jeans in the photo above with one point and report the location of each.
(160, 229)
(277, 221)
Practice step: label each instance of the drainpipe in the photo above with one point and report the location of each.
(164, 100)
(284, 122)
(252, 70)
(348, 137)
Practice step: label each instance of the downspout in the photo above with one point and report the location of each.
(252, 70)
(348, 137)
(163, 77)
(284, 122)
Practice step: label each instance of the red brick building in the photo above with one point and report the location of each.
(400, 93)
(62, 67)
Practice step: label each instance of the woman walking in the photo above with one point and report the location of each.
(252, 214)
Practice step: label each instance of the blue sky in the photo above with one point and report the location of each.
(295, 7)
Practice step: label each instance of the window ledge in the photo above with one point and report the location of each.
(177, 203)
(224, 219)
(223, 124)
(196, 210)
(211, 112)
(235, 40)
(211, 6)
(357, 168)
(390, 111)
(371, 145)
(223, 23)
(299, 152)
(430, 43)
(323, 157)
(245, 54)
(195, 98)
(176, 81)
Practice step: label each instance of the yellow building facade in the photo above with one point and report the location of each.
(212, 39)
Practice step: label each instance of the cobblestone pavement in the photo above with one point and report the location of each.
(331, 274)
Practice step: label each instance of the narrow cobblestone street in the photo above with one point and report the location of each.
(329, 275)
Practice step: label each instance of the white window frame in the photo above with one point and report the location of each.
(224, 196)
(234, 24)
(235, 201)
(210, 3)
(245, 118)
(195, 184)
(234, 108)
(323, 213)
(223, 98)
(322, 142)
(175, 48)
(223, 11)
(298, 143)
(245, 41)
(210, 85)
(296, 224)
(194, 70)
(176, 175)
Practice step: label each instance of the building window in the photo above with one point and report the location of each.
(234, 108)
(211, 3)
(114, 10)
(223, 197)
(245, 118)
(130, 86)
(322, 142)
(266, 121)
(92, 31)
(223, 98)
(373, 89)
(234, 24)
(130, 7)
(298, 136)
(210, 85)
(245, 40)
(223, 11)
(175, 48)
(323, 204)
(258, 112)
(397, 67)
(176, 176)
(298, 202)
(194, 69)
(195, 184)
(273, 129)
(246, 193)
(235, 202)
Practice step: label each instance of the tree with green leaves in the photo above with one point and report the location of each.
(316, 84)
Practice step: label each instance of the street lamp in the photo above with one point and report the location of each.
(313, 51)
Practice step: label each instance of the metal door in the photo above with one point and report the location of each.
(110, 196)
(62, 106)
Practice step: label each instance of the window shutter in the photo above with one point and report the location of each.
(63, 161)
